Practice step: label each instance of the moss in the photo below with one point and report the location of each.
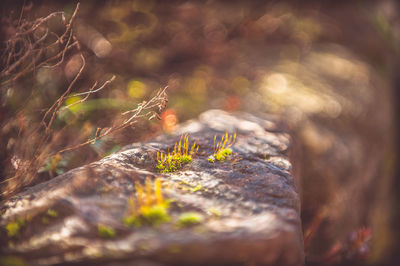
(13, 228)
(147, 205)
(155, 214)
(132, 221)
(106, 231)
(186, 186)
(196, 188)
(181, 155)
(222, 150)
(222, 155)
(190, 218)
(52, 213)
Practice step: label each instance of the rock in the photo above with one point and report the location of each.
(244, 210)
(338, 110)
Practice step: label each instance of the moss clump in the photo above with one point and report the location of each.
(147, 206)
(190, 218)
(222, 150)
(105, 231)
(132, 221)
(156, 214)
(196, 188)
(181, 155)
(52, 213)
(49, 215)
(221, 156)
(13, 228)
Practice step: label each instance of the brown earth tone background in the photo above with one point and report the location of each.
(328, 70)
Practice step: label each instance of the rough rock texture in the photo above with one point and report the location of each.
(249, 202)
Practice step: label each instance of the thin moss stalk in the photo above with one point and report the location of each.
(222, 150)
(147, 205)
(170, 162)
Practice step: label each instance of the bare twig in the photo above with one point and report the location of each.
(159, 101)
(16, 62)
(91, 91)
(56, 106)
(32, 47)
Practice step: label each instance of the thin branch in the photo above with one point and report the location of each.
(91, 91)
(56, 106)
(32, 46)
(157, 101)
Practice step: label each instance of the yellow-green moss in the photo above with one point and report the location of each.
(222, 150)
(106, 231)
(156, 214)
(181, 155)
(14, 227)
(196, 188)
(52, 213)
(190, 218)
(147, 205)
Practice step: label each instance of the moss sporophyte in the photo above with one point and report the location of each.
(222, 150)
(181, 155)
(147, 205)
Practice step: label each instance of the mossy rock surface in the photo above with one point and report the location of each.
(247, 208)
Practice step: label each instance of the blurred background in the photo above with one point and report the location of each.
(327, 69)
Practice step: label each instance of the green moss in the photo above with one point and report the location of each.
(156, 214)
(52, 213)
(147, 205)
(222, 155)
(181, 155)
(222, 150)
(190, 218)
(132, 221)
(196, 188)
(105, 231)
(13, 228)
